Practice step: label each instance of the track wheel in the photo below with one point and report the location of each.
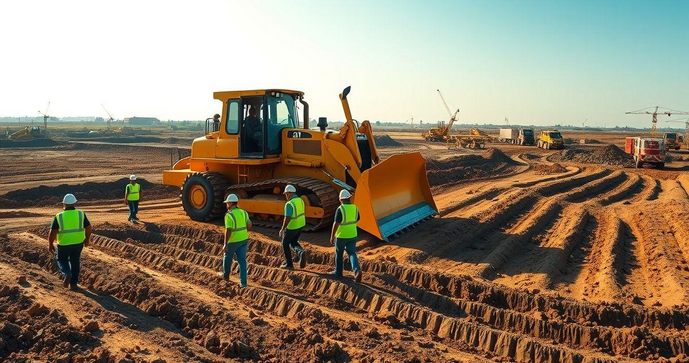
(202, 195)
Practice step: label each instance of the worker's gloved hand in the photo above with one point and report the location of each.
(332, 241)
(282, 232)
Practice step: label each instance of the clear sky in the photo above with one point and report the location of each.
(536, 62)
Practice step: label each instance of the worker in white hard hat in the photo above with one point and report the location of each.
(237, 226)
(292, 225)
(72, 230)
(132, 197)
(344, 235)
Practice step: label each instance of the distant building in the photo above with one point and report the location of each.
(142, 121)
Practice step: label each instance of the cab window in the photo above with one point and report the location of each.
(555, 135)
(281, 115)
(232, 123)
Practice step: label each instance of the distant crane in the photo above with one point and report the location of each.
(583, 123)
(507, 121)
(442, 132)
(109, 115)
(453, 117)
(45, 117)
(655, 112)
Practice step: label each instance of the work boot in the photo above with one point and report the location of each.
(286, 266)
(137, 218)
(357, 276)
(222, 275)
(74, 287)
(335, 274)
(65, 282)
(302, 258)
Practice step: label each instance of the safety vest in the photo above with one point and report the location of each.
(298, 219)
(133, 192)
(70, 230)
(236, 221)
(347, 229)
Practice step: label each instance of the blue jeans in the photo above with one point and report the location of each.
(69, 261)
(342, 245)
(133, 208)
(238, 249)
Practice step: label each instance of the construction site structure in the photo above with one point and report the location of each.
(441, 133)
(656, 111)
(550, 139)
(646, 150)
(255, 157)
(681, 140)
(45, 117)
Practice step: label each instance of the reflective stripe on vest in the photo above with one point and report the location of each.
(347, 229)
(298, 217)
(239, 232)
(133, 192)
(70, 227)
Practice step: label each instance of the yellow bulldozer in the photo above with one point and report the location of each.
(258, 148)
(28, 133)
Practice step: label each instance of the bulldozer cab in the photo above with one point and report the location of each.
(253, 122)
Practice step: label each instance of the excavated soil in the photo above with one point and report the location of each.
(87, 193)
(547, 169)
(491, 162)
(573, 265)
(385, 140)
(609, 155)
(29, 143)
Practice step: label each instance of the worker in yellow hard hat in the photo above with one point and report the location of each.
(292, 225)
(132, 197)
(72, 230)
(344, 235)
(237, 226)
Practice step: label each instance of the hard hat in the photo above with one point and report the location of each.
(69, 199)
(344, 194)
(132, 177)
(290, 189)
(217, 115)
(231, 199)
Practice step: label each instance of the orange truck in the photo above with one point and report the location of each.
(646, 150)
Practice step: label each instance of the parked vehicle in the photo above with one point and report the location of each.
(551, 139)
(517, 136)
(646, 150)
(672, 140)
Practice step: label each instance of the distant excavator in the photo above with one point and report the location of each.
(259, 148)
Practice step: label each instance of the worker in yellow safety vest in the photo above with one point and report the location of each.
(344, 235)
(132, 197)
(237, 226)
(72, 230)
(292, 225)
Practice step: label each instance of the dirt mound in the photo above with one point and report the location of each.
(608, 155)
(544, 169)
(127, 139)
(86, 193)
(177, 141)
(30, 143)
(31, 331)
(466, 167)
(386, 140)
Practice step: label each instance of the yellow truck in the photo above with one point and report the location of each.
(551, 139)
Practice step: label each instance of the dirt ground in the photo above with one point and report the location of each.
(533, 258)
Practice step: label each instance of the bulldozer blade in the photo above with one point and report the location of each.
(394, 195)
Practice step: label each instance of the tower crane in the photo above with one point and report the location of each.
(655, 111)
(442, 132)
(45, 117)
(109, 115)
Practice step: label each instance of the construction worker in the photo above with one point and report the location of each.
(72, 230)
(132, 196)
(344, 234)
(237, 226)
(292, 225)
(216, 122)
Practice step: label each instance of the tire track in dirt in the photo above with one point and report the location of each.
(583, 336)
(658, 252)
(626, 191)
